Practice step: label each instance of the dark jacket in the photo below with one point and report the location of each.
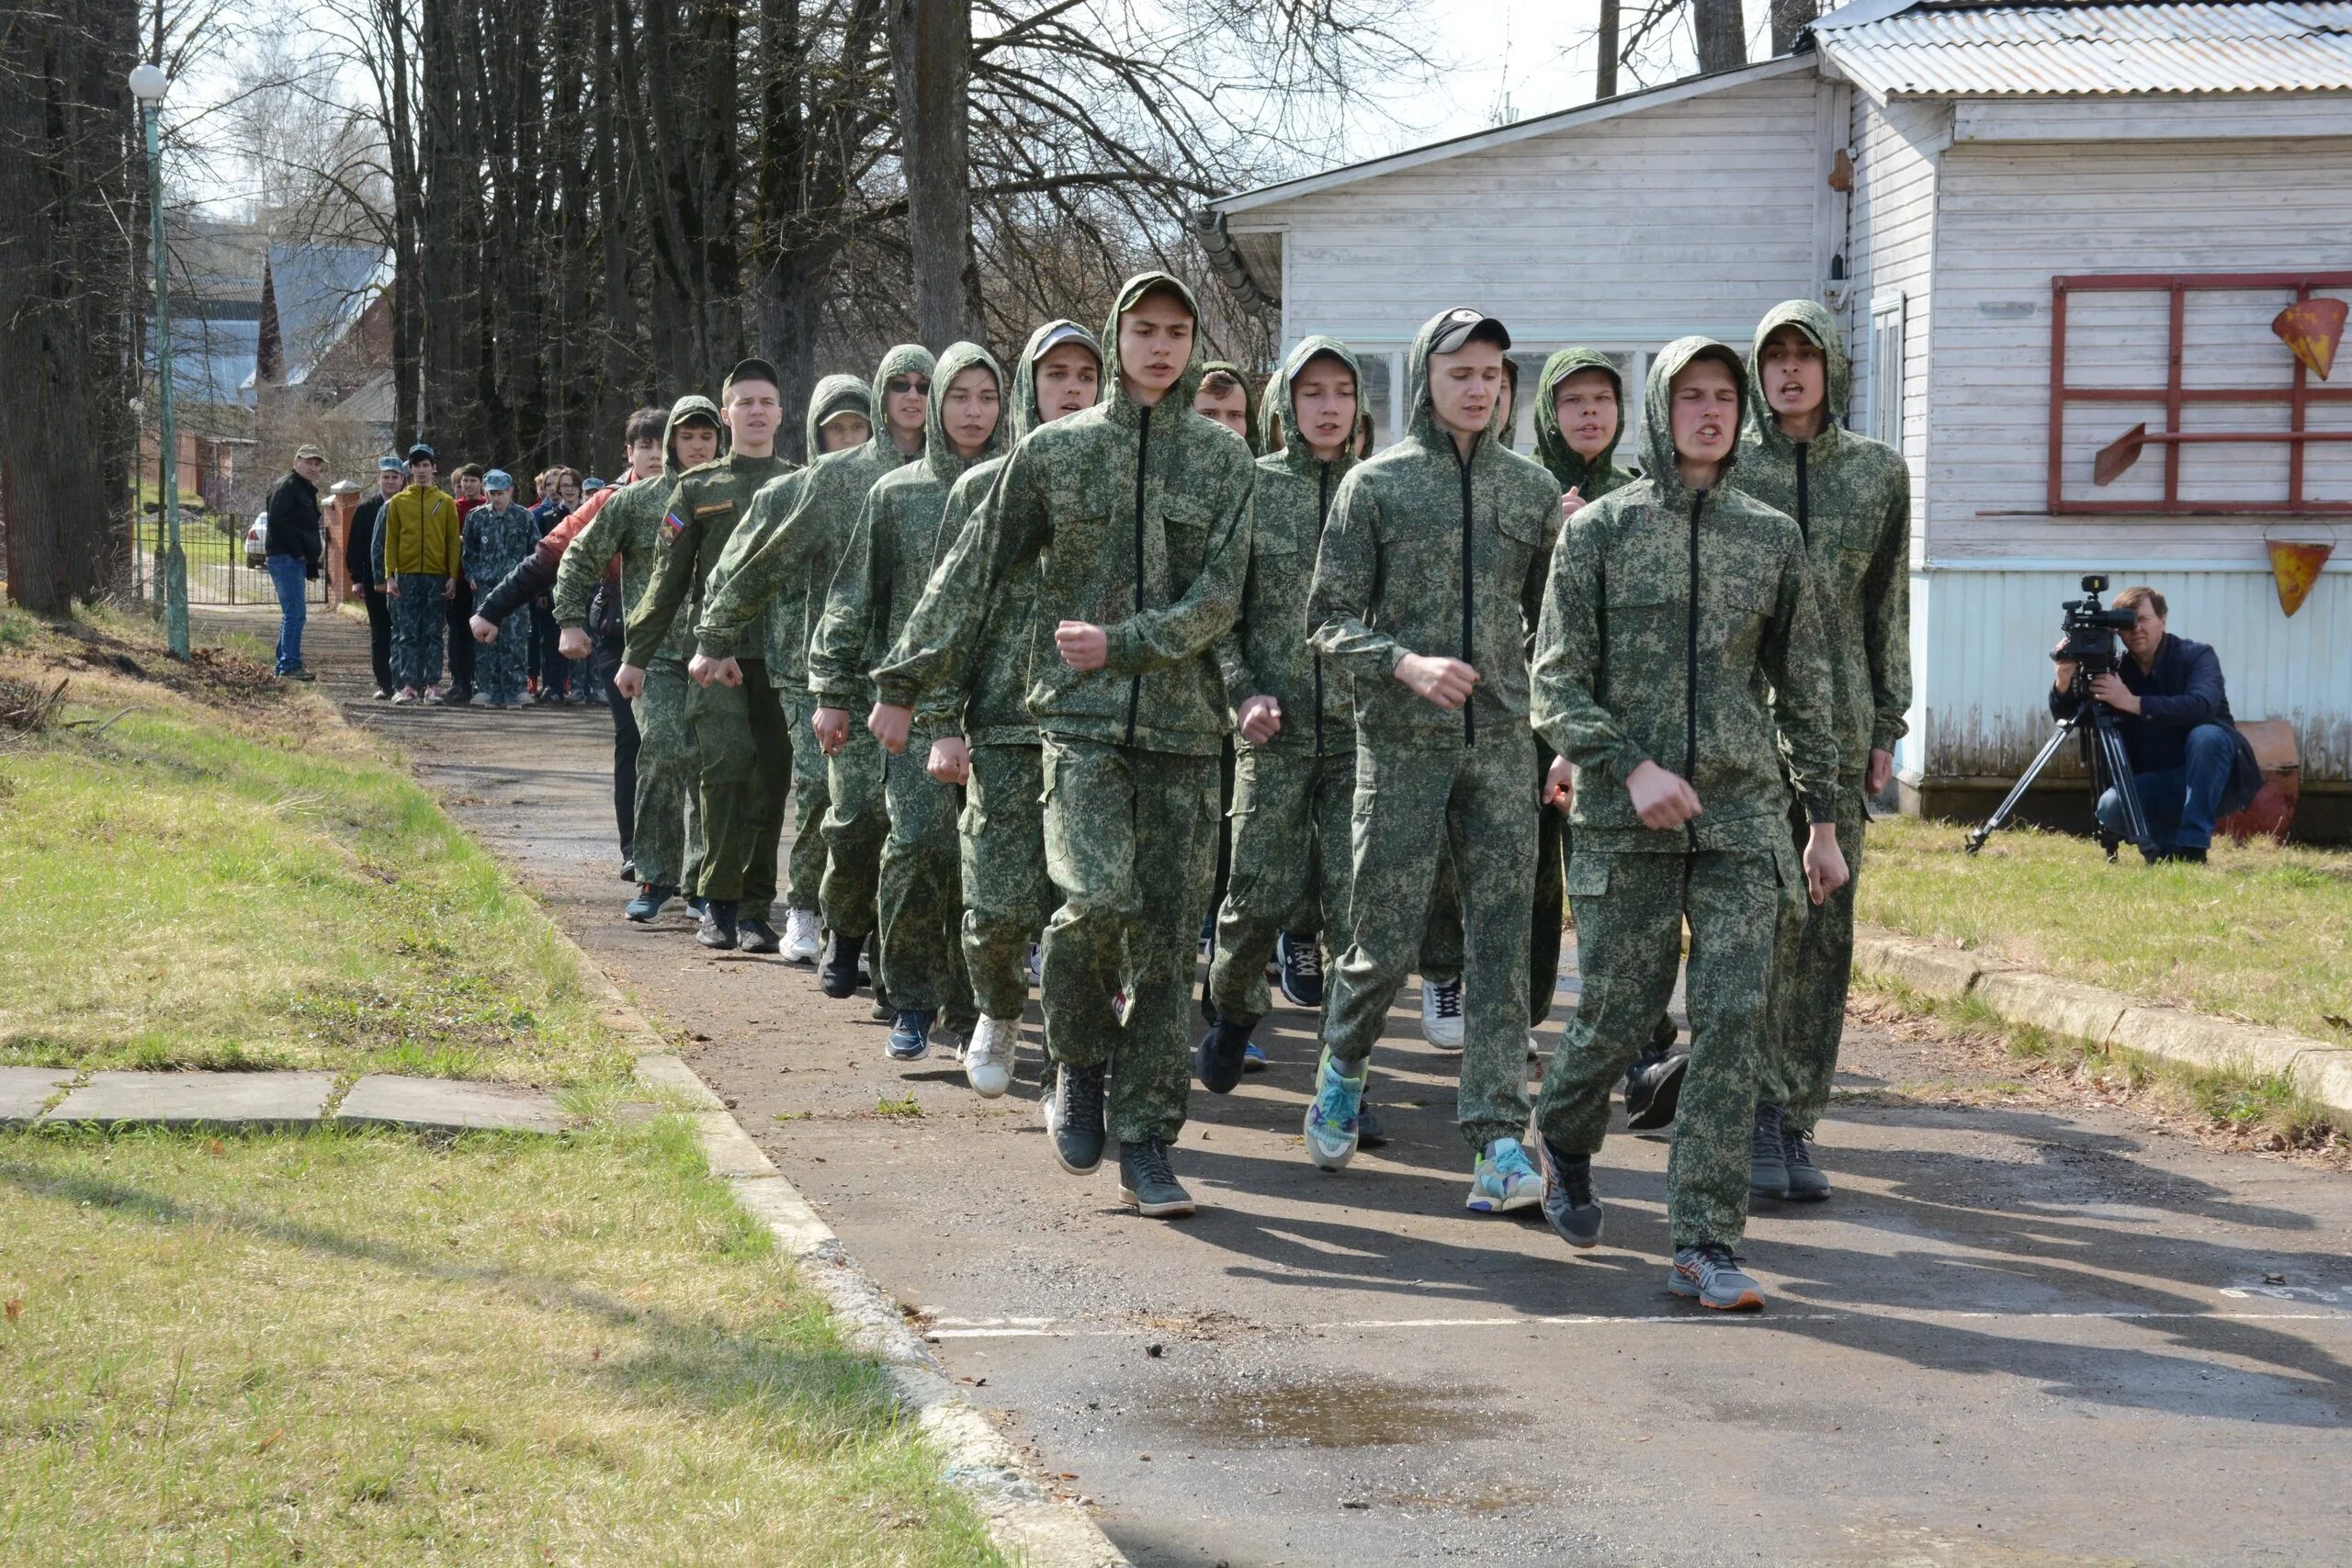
(359, 547)
(294, 521)
(2182, 690)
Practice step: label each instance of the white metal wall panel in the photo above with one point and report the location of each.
(1891, 252)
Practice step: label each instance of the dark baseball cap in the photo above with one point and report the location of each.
(751, 369)
(420, 453)
(1463, 325)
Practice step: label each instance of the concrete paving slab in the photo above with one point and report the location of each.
(444, 1105)
(24, 1090)
(198, 1100)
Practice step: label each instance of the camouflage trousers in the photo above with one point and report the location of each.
(498, 667)
(805, 865)
(419, 619)
(1292, 864)
(918, 896)
(1131, 841)
(669, 845)
(1412, 806)
(1007, 898)
(1554, 843)
(746, 761)
(1814, 966)
(857, 819)
(1630, 909)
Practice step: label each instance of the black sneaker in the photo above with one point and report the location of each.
(1371, 1132)
(718, 928)
(1217, 1058)
(1767, 1160)
(837, 974)
(1569, 1207)
(1147, 1181)
(755, 935)
(1302, 969)
(1808, 1183)
(1075, 1116)
(1653, 1090)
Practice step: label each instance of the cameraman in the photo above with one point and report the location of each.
(2187, 759)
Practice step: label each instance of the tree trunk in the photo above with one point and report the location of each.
(930, 51)
(1721, 32)
(1604, 70)
(1791, 18)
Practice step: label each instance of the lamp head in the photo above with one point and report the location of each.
(148, 83)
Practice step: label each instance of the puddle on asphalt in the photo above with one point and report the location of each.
(1323, 1414)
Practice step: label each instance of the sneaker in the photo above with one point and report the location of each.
(1569, 1207)
(459, 696)
(804, 936)
(1535, 1047)
(380, 695)
(988, 1060)
(1302, 969)
(436, 698)
(629, 868)
(1146, 1181)
(1074, 1115)
(1768, 1162)
(1218, 1059)
(1033, 964)
(1253, 1058)
(298, 675)
(650, 902)
(1332, 1126)
(1653, 1090)
(695, 906)
(884, 1010)
(717, 930)
(911, 1035)
(837, 976)
(1371, 1133)
(405, 694)
(1711, 1277)
(1503, 1181)
(1808, 1183)
(755, 935)
(1441, 1015)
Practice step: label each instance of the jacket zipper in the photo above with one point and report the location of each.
(1322, 508)
(1469, 717)
(1690, 670)
(1804, 522)
(1142, 453)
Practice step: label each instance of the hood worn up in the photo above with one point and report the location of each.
(1123, 408)
(939, 453)
(684, 409)
(833, 394)
(905, 358)
(1659, 462)
(1280, 410)
(1024, 410)
(1837, 382)
(1591, 478)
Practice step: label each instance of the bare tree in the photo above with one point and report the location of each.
(1721, 34)
(930, 56)
(1791, 18)
(1604, 71)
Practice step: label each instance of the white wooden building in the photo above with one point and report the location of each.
(1953, 180)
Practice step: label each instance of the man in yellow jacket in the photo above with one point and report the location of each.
(417, 559)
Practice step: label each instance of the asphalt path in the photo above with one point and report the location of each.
(2028, 1330)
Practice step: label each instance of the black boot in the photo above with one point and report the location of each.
(718, 928)
(837, 974)
(1218, 1059)
(753, 934)
(1146, 1181)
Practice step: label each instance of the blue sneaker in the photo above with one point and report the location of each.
(911, 1035)
(1331, 1116)
(1253, 1058)
(1503, 1180)
(649, 901)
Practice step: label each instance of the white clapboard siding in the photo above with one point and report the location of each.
(1892, 251)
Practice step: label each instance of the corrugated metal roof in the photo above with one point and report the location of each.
(1939, 50)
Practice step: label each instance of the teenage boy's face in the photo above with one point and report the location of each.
(1068, 379)
(1465, 385)
(1796, 376)
(844, 431)
(567, 491)
(906, 402)
(1587, 404)
(389, 481)
(1155, 343)
(753, 410)
(969, 409)
(1230, 408)
(1704, 410)
(498, 500)
(1323, 401)
(644, 458)
(424, 472)
(697, 442)
(470, 486)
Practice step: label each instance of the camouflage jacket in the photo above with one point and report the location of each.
(629, 527)
(700, 516)
(494, 541)
(1851, 499)
(1424, 553)
(1667, 612)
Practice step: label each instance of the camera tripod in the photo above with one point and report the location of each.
(2110, 767)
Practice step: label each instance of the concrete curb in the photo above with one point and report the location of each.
(2319, 1070)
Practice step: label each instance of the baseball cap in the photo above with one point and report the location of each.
(591, 485)
(389, 464)
(420, 453)
(497, 479)
(1064, 334)
(751, 369)
(1463, 325)
(307, 450)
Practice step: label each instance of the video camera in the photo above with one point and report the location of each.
(2089, 630)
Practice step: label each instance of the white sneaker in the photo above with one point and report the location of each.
(1441, 1015)
(804, 935)
(1036, 964)
(988, 1060)
(1534, 1048)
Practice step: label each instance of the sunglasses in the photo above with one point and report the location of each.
(899, 385)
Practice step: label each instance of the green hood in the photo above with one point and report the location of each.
(1123, 410)
(939, 453)
(1837, 383)
(1657, 417)
(685, 408)
(833, 395)
(1420, 418)
(1024, 414)
(1591, 478)
(1280, 414)
(901, 359)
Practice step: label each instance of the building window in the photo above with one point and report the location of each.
(1886, 369)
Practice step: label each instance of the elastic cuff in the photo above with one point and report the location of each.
(1119, 651)
(897, 695)
(714, 645)
(1623, 765)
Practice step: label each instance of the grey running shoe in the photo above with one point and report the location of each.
(1147, 1181)
(1808, 1183)
(1768, 1162)
(755, 935)
(717, 928)
(1076, 1118)
(1711, 1276)
(1570, 1206)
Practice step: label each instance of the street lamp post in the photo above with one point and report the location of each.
(148, 85)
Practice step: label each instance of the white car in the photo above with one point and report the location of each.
(258, 542)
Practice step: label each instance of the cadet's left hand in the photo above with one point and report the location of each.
(703, 669)
(1880, 770)
(951, 761)
(573, 643)
(1262, 719)
(1083, 644)
(2110, 689)
(449, 588)
(888, 723)
(1572, 503)
(1560, 785)
(484, 631)
(831, 726)
(1825, 863)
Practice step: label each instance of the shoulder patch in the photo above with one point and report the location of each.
(672, 524)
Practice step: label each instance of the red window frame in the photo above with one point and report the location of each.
(2297, 394)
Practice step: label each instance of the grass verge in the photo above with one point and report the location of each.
(208, 869)
(359, 1347)
(2260, 933)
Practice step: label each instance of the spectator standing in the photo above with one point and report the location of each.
(496, 537)
(417, 561)
(558, 498)
(359, 553)
(466, 482)
(294, 548)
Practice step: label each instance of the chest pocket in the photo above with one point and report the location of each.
(1735, 607)
(1183, 545)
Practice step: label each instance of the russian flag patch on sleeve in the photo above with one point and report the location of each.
(673, 524)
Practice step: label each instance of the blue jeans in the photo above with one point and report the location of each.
(2182, 802)
(290, 575)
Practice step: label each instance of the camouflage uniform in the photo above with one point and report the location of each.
(1668, 614)
(669, 848)
(1138, 520)
(794, 544)
(1426, 555)
(1291, 795)
(883, 569)
(1851, 499)
(495, 541)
